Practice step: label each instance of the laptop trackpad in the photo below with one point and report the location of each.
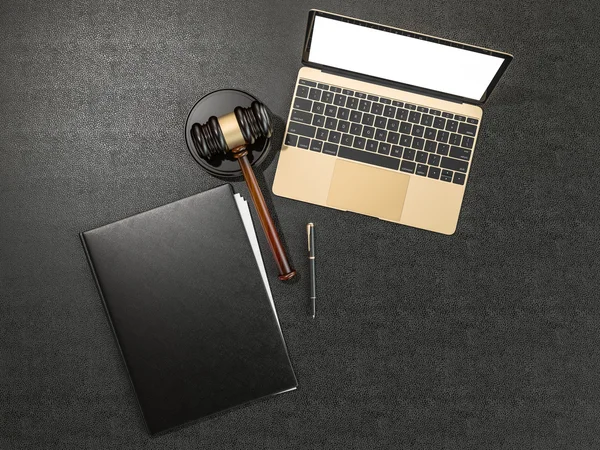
(367, 190)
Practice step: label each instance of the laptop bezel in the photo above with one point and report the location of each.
(306, 53)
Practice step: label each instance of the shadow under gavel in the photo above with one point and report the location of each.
(232, 133)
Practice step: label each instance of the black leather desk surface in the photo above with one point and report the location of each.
(486, 339)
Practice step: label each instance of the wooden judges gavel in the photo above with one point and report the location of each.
(231, 133)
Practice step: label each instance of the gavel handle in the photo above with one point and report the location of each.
(285, 271)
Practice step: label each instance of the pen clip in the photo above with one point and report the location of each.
(309, 228)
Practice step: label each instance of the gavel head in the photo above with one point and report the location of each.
(221, 134)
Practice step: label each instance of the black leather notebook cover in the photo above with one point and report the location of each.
(183, 292)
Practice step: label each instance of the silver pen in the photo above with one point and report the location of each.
(310, 230)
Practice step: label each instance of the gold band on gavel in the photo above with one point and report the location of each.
(231, 130)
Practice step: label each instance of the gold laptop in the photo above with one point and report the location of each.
(384, 121)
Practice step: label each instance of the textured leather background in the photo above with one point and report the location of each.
(486, 339)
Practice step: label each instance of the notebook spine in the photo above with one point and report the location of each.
(112, 326)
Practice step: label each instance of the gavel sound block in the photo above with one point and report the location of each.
(231, 134)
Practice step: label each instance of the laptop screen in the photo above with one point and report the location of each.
(404, 57)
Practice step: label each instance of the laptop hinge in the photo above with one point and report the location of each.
(392, 84)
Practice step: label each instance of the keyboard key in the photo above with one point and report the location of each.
(443, 149)
(473, 121)
(468, 129)
(414, 117)
(368, 132)
(435, 112)
(343, 113)
(405, 127)
(430, 133)
(439, 123)
(401, 114)
(330, 149)
(301, 116)
(392, 125)
(316, 145)
(303, 142)
(422, 109)
(323, 86)
(380, 122)
(392, 137)
(421, 170)
(377, 108)
(355, 116)
(302, 129)
(347, 92)
(405, 140)
(318, 108)
(409, 106)
(339, 100)
(454, 164)
(397, 151)
(408, 167)
(330, 110)
(334, 136)
(368, 119)
(434, 160)
(385, 101)
(434, 172)
(442, 136)
(460, 118)
(335, 89)
(322, 134)
(302, 91)
(315, 94)
(302, 104)
(430, 146)
(331, 123)
(373, 98)
(451, 125)
(327, 97)
(356, 129)
(418, 130)
(459, 178)
(371, 145)
(418, 143)
(421, 157)
(397, 103)
(360, 95)
(307, 82)
(359, 142)
(343, 126)
(447, 115)
(384, 148)
(426, 120)
(364, 106)
(454, 139)
(446, 176)
(460, 153)
(352, 103)
(380, 134)
(291, 140)
(467, 142)
(409, 154)
(318, 120)
(347, 139)
(369, 158)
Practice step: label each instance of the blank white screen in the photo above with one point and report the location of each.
(402, 59)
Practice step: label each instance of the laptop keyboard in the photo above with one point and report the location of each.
(381, 131)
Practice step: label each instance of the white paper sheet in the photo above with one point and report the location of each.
(244, 209)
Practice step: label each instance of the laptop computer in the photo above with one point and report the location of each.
(384, 121)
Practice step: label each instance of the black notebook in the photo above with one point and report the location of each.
(185, 290)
